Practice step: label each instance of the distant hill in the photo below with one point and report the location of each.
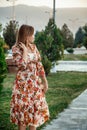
(39, 16)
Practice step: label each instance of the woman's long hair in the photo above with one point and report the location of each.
(23, 33)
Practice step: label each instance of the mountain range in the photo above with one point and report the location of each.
(39, 16)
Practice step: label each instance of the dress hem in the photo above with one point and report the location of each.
(30, 124)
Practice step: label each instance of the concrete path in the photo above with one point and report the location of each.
(72, 118)
(79, 66)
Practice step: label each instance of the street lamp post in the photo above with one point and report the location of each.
(13, 9)
(54, 10)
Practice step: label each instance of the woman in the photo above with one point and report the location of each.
(28, 106)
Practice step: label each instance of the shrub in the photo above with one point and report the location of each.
(47, 64)
(70, 50)
(3, 66)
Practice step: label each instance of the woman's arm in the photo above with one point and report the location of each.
(45, 84)
(41, 72)
(19, 58)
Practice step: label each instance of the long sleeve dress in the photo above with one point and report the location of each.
(28, 104)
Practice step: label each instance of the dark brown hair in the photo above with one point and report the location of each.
(23, 33)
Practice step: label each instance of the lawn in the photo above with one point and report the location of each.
(82, 57)
(63, 88)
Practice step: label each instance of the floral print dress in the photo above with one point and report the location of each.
(28, 105)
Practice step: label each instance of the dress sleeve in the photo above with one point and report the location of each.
(17, 57)
(40, 68)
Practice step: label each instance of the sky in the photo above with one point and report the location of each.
(49, 3)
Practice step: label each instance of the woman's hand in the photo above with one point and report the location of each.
(45, 88)
(23, 47)
(45, 85)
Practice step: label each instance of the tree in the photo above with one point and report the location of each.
(3, 66)
(79, 36)
(85, 36)
(9, 33)
(85, 42)
(55, 49)
(67, 35)
(49, 43)
(42, 41)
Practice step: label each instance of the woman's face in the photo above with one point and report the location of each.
(31, 39)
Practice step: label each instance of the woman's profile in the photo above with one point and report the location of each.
(28, 106)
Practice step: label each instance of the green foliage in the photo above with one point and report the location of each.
(67, 35)
(3, 67)
(79, 36)
(49, 43)
(62, 50)
(54, 51)
(85, 42)
(9, 33)
(43, 42)
(47, 64)
(70, 50)
(85, 36)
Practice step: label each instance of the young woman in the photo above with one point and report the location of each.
(28, 106)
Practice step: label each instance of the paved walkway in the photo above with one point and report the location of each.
(79, 66)
(72, 118)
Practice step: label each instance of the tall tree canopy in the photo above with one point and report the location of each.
(49, 43)
(79, 36)
(9, 33)
(67, 35)
(85, 36)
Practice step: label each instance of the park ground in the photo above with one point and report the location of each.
(63, 88)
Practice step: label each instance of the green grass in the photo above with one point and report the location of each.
(70, 57)
(63, 88)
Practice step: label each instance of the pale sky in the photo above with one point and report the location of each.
(49, 3)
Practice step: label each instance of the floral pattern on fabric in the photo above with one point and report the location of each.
(28, 105)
